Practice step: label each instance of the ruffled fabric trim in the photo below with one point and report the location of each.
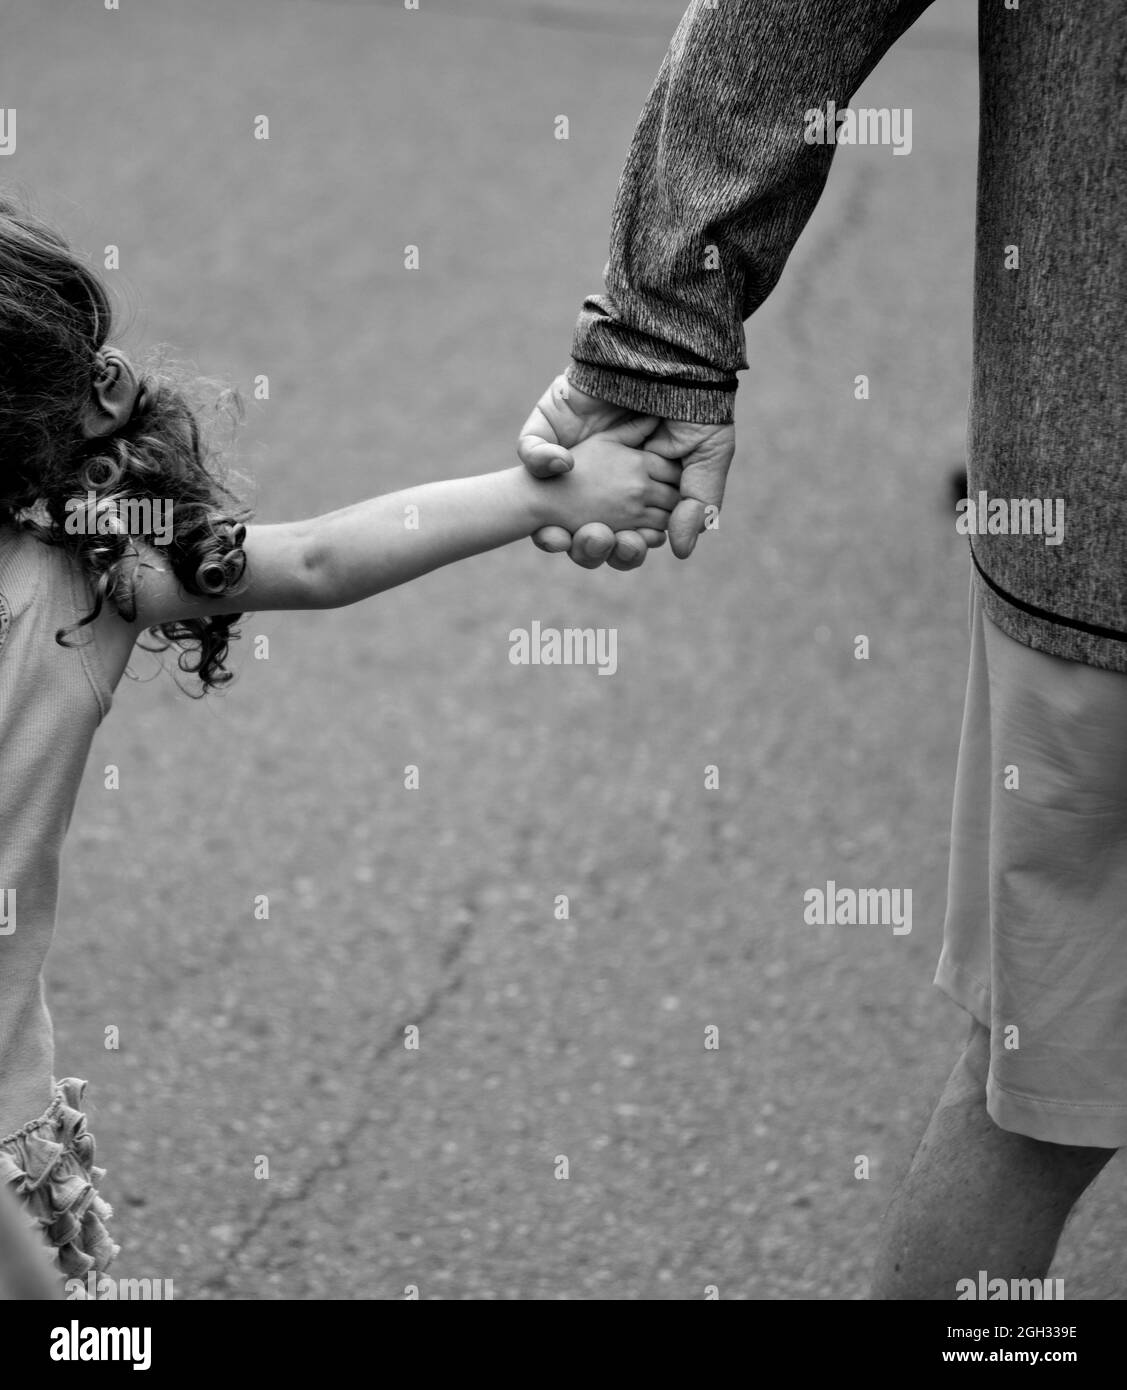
(49, 1165)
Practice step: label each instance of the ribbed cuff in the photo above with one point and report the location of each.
(701, 405)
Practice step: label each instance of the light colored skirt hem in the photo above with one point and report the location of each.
(1051, 1121)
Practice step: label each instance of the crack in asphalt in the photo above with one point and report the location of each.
(339, 1148)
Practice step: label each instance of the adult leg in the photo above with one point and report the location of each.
(977, 1196)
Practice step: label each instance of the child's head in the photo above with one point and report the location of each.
(76, 420)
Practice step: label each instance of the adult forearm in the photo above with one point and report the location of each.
(718, 184)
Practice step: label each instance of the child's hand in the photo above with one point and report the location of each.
(615, 483)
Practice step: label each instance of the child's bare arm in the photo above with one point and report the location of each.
(348, 555)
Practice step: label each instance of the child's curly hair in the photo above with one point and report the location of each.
(55, 317)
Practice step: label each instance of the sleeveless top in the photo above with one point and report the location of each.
(52, 699)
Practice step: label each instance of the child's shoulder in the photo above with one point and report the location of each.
(19, 568)
(29, 569)
(46, 584)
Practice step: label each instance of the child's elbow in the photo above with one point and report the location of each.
(313, 571)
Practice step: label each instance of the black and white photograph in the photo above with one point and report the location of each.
(563, 671)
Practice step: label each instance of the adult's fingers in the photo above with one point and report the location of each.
(626, 555)
(591, 545)
(553, 539)
(630, 550)
(630, 547)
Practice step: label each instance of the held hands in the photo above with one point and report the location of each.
(614, 479)
(564, 417)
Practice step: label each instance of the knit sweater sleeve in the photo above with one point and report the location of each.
(718, 184)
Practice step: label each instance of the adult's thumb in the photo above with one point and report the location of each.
(542, 458)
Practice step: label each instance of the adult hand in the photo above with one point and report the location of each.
(705, 453)
(564, 415)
